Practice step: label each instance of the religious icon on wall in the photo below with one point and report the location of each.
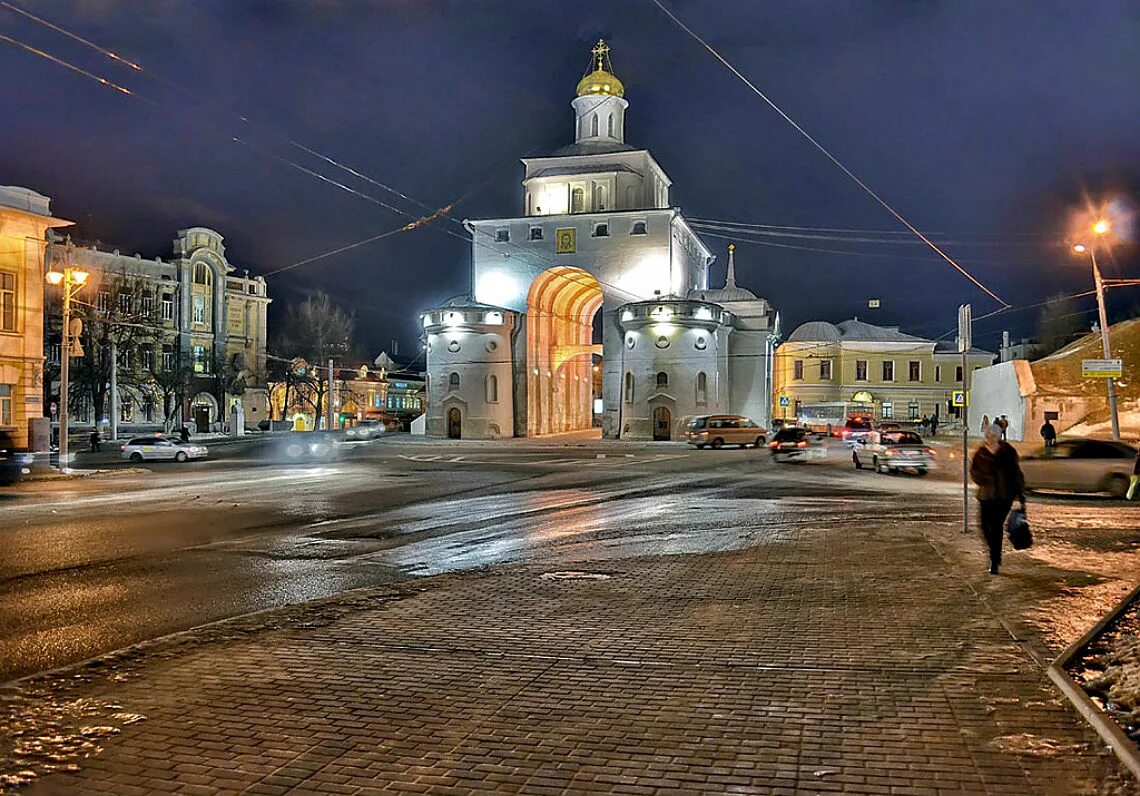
(566, 241)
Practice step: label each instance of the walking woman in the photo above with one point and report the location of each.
(996, 471)
(1135, 480)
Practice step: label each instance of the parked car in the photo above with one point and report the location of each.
(719, 430)
(855, 429)
(797, 444)
(12, 462)
(891, 451)
(1081, 465)
(366, 429)
(142, 449)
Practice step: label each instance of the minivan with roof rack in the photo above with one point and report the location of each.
(716, 431)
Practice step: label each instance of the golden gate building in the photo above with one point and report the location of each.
(593, 310)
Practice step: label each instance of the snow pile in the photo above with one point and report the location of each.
(1060, 373)
(1120, 682)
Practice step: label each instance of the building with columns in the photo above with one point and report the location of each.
(202, 321)
(593, 308)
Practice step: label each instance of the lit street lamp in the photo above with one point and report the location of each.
(1100, 228)
(72, 280)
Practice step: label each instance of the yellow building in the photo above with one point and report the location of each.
(24, 219)
(825, 371)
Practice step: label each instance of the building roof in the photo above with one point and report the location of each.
(951, 347)
(592, 147)
(731, 291)
(815, 332)
(562, 171)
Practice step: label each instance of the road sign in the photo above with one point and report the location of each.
(1102, 368)
(960, 397)
(785, 400)
(873, 304)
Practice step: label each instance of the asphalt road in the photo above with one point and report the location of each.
(96, 564)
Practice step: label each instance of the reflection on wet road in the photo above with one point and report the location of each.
(88, 567)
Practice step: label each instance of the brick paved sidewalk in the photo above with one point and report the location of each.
(827, 659)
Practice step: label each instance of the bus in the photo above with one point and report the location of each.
(831, 417)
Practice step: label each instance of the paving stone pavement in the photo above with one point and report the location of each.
(822, 660)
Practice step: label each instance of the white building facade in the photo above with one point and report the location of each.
(602, 291)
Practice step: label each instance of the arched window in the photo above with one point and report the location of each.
(610, 125)
(603, 197)
(594, 124)
(492, 389)
(453, 381)
(577, 200)
(662, 380)
(202, 275)
(702, 388)
(629, 388)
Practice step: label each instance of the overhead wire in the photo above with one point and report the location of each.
(795, 125)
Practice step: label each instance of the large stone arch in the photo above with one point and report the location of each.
(561, 305)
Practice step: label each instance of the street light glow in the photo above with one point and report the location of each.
(1101, 227)
(54, 277)
(1080, 248)
(79, 277)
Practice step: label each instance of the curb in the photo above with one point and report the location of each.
(1122, 746)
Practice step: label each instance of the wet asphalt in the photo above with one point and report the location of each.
(97, 564)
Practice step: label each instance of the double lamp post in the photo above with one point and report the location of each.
(72, 280)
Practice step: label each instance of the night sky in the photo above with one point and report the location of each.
(986, 121)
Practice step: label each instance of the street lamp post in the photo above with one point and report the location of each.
(72, 280)
(1100, 228)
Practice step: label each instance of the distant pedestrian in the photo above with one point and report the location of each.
(1049, 433)
(1003, 421)
(924, 424)
(184, 433)
(1135, 480)
(933, 425)
(985, 424)
(997, 472)
(95, 439)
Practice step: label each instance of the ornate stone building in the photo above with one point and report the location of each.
(205, 319)
(594, 308)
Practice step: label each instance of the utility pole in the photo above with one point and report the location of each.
(965, 342)
(1099, 282)
(72, 279)
(114, 390)
(329, 397)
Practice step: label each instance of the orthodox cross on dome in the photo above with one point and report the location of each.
(601, 53)
(730, 280)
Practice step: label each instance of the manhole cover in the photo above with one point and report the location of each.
(575, 575)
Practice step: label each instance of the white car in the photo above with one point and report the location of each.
(1081, 465)
(891, 451)
(142, 449)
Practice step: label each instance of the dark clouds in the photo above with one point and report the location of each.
(981, 118)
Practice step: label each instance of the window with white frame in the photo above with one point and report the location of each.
(167, 358)
(662, 380)
(629, 388)
(889, 370)
(6, 391)
(601, 230)
(126, 409)
(147, 357)
(124, 302)
(798, 370)
(199, 313)
(860, 370)
(146, 303)
(888, 410)
(702, 388)
(577, 200)
(912, 410)
(103, 302)
(825, 370)
(638, 228)
(453, 381)
(202, 275)
(201, 361)
(8, 321)
(536, 233)
(914, 368)
(167, 307)
(492, 389)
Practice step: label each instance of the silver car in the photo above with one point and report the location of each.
(366, 429)
(142, 449)
(891, 451)
(1081, 465)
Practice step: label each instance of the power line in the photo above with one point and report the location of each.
(858, 231)
(867, 189)
(882, 240)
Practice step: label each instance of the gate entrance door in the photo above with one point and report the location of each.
(662, 424)
(454, 424)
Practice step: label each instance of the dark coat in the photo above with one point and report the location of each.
(1048, 431)
(998, 475)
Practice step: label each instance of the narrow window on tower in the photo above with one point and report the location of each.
(702, 388)
(536, 233)
(610, 125)
(638, 228)
(594, 125)
(577, 200)
(502, 236)
(601, 230)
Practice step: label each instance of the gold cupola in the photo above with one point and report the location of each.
(601, 81)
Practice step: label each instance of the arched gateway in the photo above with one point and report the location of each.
(594, 307)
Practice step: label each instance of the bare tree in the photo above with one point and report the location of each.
(315, 330)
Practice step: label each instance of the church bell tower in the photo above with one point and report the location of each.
(599, 108)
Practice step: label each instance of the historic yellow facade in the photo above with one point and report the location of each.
(24, 219)
(888, 373)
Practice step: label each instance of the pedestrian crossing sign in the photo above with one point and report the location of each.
(960, 398)
(785, 400)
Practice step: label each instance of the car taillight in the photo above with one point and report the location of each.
(773, 444)
(930, 451)
(122, 447)
(893, 451)
(801, 444)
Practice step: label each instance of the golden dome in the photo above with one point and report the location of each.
(601, 80)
